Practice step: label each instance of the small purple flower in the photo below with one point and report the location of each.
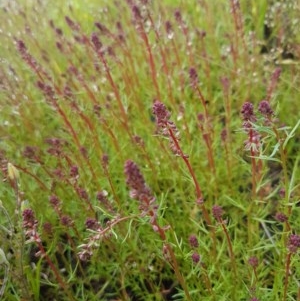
(47, 227)
(201, 117)
(66, 221)
(91, 223)
(247, 112)
(54, 200)
(82, 193)
(46, 89)
(282, 193)
(30, 226)
(193, 76)
(264, 108)
(276, 74)
(169, 28)
(138, 140)
(223, 135)
(83, 151)
(59, 31)
(294, 243)
(138, 188)
(72, 24)
(102, 196)
(74, 171)
(136, 12)
(96, 41)
(217, 212)
(28, 218)
(167, 128)
(178, 16)
(21, 47)
(30, 152)
(195, 257)
(134, 180)
(103, 29)
(253, 261)
(58, 173)
(161, 113)
(193, 241)
(281, 217)
(105, 160)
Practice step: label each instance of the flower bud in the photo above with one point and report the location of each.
(13, 173)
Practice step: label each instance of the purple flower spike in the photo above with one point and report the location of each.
(265, 108)
(294, 243)
(161, 113)
(247, 112)
(193, 241)
(217, 212)
(135, 181)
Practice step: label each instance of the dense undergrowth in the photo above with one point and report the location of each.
(149, 150)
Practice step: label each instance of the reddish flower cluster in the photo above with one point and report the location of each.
(74, 173)
(92, 223)
(253, 261)
(138, 188)
(253, 142)
(193, 241)
(294, 243)
(281, 217)
(30, 226)
(161, 113)
(217, 212)
(195, 257)
(193, 77)
(96, 41)
(167, 127)
(264, 108)
(248, 112)
(30, 152)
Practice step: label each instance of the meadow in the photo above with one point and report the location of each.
(149, 150)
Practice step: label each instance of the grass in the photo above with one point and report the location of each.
(149, 150)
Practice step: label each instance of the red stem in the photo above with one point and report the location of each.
(196, 183)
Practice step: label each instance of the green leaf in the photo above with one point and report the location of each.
(291, 134)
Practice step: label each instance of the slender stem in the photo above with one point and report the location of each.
(231, 253)
(177, 271)
(287, 271)
(196, 183)
(60, 280)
